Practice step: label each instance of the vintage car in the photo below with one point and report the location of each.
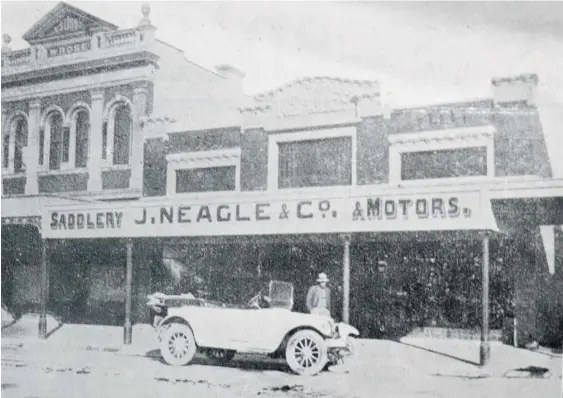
(265, 325)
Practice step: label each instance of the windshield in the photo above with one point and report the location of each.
(281, 294)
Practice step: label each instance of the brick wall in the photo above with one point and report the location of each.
(520, 147)
(372, 151)
(254, 160)
(65, 101)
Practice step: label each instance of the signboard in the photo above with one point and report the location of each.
(68, 49)
(378, 213)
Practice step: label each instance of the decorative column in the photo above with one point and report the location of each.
(44, 290)
(31, 154)
(140, 105)
(346, 280)
(95, 144)
(484, 349)
(128, 327)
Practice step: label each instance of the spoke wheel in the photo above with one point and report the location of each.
(178, 346)
(306, 353)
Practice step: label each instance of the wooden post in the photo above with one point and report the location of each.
(128, 328)
(44, 290)
(484, 349)
(346, 280)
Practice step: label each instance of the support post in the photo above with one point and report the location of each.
(128, 328)
(44, 290)
(484, 349)
(346, 280)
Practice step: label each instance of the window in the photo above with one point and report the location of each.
(464, 162)
(121, 135)
(315, 163)
(312, 158)
(55, 133)
(13, 144)
(81, 133)
(203, 171)
(6, 151)
(20, 144)
(441, 155)
(209, 179)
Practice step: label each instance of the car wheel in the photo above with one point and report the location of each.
(306, 353)
(178, 346)
(220, 356)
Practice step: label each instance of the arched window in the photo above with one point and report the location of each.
(6, 150)
(121, 135)
(20, 125)
(59, 142)
(13, 143)
(81, 134)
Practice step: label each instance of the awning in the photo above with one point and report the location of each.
(27, 210)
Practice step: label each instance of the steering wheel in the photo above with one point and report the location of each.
(254, 302)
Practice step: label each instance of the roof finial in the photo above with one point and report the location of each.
(6, 40)
(146, 10)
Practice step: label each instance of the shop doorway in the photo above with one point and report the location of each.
(87, 281)
(21, 254)
(397, 287)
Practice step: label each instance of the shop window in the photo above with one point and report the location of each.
(208, 179)
(81, 133)
(315, 163)
(450, 163)
(121, 135)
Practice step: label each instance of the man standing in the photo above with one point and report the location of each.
(318, 297)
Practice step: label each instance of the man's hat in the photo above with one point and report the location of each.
(322, 277)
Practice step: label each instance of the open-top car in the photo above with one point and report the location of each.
(265, 325)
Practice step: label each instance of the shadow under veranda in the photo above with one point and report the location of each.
(259, 364)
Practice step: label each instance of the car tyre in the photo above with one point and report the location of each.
(220, 356)
(306, 353)
(178, 346)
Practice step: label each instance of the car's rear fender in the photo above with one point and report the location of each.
(281, 348)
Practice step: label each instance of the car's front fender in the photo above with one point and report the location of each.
(345, 330)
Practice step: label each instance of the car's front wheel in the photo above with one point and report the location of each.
(306, 353)
(178, 346)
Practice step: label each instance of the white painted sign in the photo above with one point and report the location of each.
(68, 49)
(378, 213)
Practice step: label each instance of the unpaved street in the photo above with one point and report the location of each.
(29, 373)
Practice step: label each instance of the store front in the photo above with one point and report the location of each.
(228, 248)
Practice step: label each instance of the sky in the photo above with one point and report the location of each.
(420, 52)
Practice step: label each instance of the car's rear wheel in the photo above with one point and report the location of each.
(306, 353)
(219, 356)
(178, 346)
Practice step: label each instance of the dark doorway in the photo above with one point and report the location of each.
(87, 281)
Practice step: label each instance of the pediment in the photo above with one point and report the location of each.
(65, 21)
(316, 95)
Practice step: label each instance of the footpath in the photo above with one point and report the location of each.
(423, 356)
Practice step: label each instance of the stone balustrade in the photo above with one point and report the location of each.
(107, 44)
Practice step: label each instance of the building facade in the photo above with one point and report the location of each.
(128, 169)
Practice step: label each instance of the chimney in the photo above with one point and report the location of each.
(233, 75)
(517, 89)
(6, 39)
